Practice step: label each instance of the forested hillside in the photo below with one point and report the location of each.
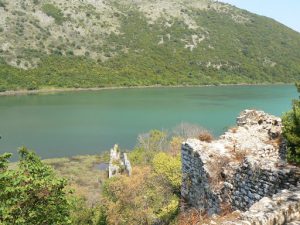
(97, 43)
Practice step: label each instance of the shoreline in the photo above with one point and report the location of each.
(61, 90)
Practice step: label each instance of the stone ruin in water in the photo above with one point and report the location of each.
(118, 163)
(246, 170)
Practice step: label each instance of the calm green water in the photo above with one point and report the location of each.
(67, 124)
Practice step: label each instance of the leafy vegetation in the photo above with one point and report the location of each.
(32, 194)
(30, 188)
(291, 130)
(85, 196)
(152, 194)
(142, 198)
(55, 12)
(168, 167)
(2, 3)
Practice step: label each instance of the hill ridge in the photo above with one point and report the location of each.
(95, 43)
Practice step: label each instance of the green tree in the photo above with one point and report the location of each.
(31, 193)
(291, 130)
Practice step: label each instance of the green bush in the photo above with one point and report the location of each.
(3, 3)
(168, 167)
(291, 131)
(55, 12)
(143, 198)
(2, 88)
(82, 214)
(31, 193)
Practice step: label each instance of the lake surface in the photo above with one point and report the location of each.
(73, 123)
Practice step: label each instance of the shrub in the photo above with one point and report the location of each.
(187, 130)
(143, 198)
(3, 3)
(168, 167)
(32, 86)
(175, 145)
(2, 89)
(205, 136)
(138, 156)
(291, 131)
(31, 193)
(55, 12)
(155, 140)
(82, 214)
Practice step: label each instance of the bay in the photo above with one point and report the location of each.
(90, 122)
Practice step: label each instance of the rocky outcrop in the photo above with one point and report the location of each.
(243, 166)
(118, 163)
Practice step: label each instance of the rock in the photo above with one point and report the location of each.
(118, 163)
(240, 168)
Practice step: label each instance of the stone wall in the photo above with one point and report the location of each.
(240, 168)
(281, 209)
(254, 180)
(195, 185)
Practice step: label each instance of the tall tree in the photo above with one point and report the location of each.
(31, 193)
(291, 130)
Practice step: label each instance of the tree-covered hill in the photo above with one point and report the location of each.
(98, 43)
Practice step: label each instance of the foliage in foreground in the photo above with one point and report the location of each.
(143, 198)
(169, 168)
(152, 194)
(291, 130)
(31, 193)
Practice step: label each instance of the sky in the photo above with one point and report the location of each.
(286, 12)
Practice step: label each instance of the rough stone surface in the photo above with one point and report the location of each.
(283, 208)
(118, 163)
(243, 166)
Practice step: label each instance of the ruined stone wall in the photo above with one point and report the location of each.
(118, 163)
(281, 209)
(253, 181)
(240, 168)
(195, 185)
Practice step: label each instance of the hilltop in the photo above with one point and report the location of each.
(102, 43)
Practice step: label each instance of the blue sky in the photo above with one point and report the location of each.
(284, 11)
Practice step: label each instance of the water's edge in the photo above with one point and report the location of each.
(59, 90)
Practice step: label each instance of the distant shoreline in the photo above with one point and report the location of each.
(60, 90)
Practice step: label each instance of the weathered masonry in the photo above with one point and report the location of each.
(281, 208)
(118, 163)
(243, 166)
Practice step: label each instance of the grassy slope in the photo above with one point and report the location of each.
(260, 50)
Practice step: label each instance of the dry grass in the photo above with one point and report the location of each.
(196, 217)
(206, 136)
(82, 174)
(240, 155)
(233, 129)
(191, 217)
(216, 167)
(276, 142)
